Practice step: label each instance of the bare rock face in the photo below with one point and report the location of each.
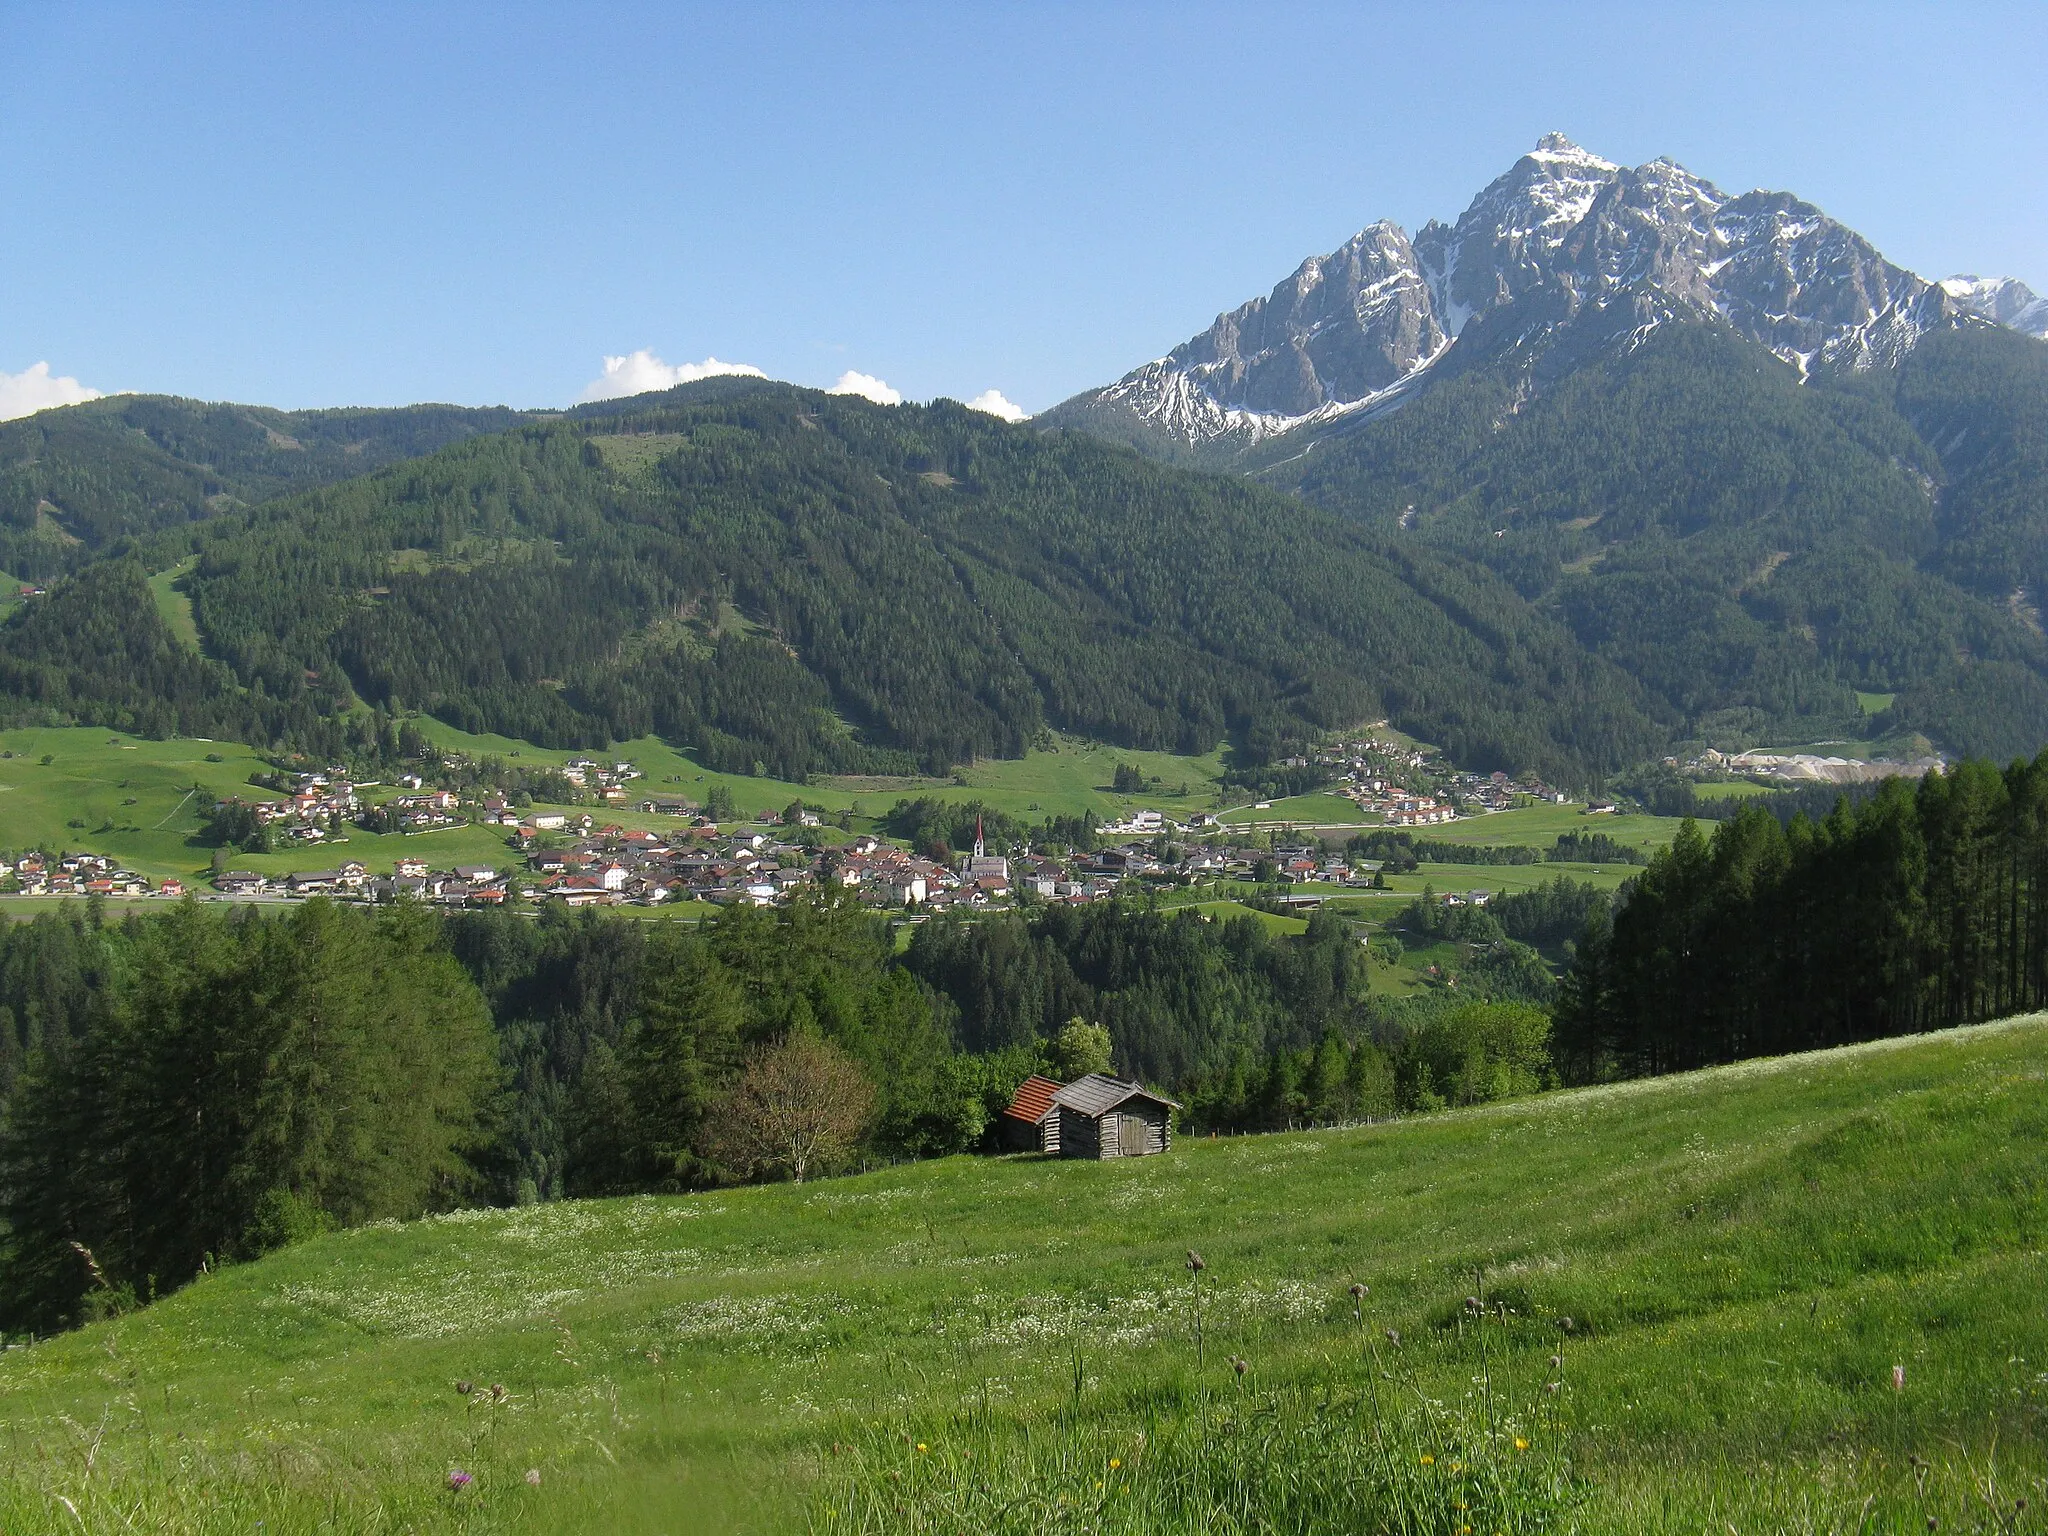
(1563, 254)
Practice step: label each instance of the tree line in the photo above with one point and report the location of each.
(1920, 907)
(199, 1086)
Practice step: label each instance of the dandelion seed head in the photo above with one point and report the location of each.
(465, 1387)
(1394, 1337)
(533, 1477)
(1195, 1264)
(1357, 1291)
(1898, 1378)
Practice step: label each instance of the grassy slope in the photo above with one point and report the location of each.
(1748, 1253)
(174, 603)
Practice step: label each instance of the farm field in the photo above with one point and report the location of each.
(1539, 826)
(1309, 810)
(1732, 789)
(1745, 1257)
(1072, 779)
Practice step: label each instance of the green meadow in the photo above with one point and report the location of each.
(1539, 826)
(1670, 1305)
(1316, 810)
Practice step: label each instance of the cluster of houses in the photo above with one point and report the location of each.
(1373, 782)
(464, 885)
(317, 805)
(759, 865)
(607, 781)
(78, 874)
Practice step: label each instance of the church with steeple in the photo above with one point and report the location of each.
(981, 866)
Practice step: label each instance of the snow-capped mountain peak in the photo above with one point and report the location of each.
(2003, 300)
(1563, 248)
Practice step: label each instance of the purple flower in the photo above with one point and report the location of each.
(459, 1480)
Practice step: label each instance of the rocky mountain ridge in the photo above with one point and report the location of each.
(1564, 254)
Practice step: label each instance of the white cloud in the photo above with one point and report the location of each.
(34, 389)
(867, 386)
(638, 372)
(992, 401)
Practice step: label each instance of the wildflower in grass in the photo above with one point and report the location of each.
(1357, 1291)
(459, 1480)
(1521, 1444)
(1428, 1460)
(1114, 1463)
(533, 1477)
(1898, 1378)
(465, 1387)
(1394, 1337)
(922, 1447)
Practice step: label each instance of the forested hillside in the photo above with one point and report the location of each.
(1752, 549)
(792, 582)
(75, 481)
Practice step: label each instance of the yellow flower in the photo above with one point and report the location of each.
(1114, 1463)
(1428, 1460)
(922, 1446)
(1098, 1484)
(1521, 1444)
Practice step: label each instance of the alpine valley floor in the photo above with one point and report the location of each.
(1745, 1256)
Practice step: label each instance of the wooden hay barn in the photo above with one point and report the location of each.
(1101, 1116)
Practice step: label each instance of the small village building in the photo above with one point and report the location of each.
(1102, 1116)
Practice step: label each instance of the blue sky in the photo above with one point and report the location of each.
(300, 205)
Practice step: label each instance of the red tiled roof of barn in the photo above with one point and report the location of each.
(1032, 1099)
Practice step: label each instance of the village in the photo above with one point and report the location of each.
(576, 855)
